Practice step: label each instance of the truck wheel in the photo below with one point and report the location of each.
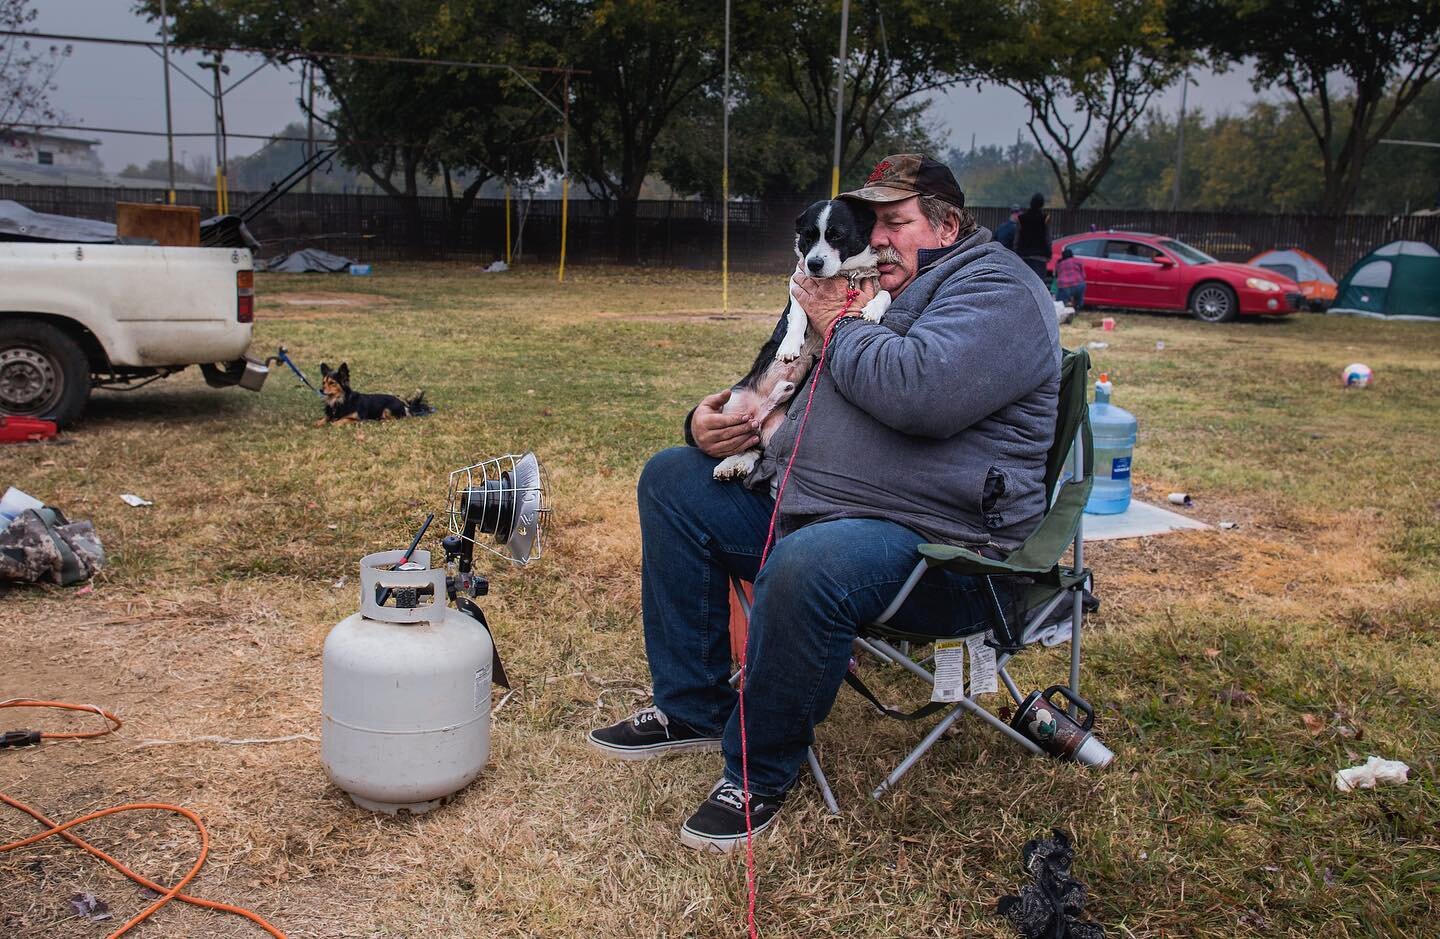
(1214, 302)
(43, 372)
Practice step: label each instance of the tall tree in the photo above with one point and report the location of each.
(645, 60)
(1087, 70)
(27, 70)
(1351, 67)
(769, 156)
(783, 91)
(400, 123)
(897, 53)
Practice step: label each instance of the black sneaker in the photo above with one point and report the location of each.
(647, 734)
(719, 823)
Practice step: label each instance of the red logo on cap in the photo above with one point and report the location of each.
(878, 173)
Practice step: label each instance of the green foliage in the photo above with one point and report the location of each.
(645, 60)
(401, 123)
(783, 93)
(1350, 67)
(1263, 159)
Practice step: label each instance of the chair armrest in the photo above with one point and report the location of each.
(965, 561)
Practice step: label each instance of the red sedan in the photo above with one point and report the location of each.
(1137, 271)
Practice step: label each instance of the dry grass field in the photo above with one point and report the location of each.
(1235, 669)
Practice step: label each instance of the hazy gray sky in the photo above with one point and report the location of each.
(112, 86)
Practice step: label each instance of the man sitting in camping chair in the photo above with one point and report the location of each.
(931, 426)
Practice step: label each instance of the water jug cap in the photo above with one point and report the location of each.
(1105, 377)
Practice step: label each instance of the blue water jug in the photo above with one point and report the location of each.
(1114, 431)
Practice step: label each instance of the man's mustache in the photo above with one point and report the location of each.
(888, 256)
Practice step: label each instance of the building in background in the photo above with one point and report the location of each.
(40, 158)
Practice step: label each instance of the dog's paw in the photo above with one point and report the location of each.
(738, 466)
(874, 311)
(790, 348)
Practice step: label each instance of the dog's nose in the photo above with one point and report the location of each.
(815, 264)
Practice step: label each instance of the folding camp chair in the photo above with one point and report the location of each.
(1035, 572)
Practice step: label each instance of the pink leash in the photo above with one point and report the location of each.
(750, 886)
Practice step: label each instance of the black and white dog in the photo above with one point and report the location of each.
(832, 239)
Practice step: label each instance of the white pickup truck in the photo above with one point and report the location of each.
(80, 316)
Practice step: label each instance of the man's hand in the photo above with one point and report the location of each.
(824, 300)
(719, 434)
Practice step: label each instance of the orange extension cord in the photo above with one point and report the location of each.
(53, 828)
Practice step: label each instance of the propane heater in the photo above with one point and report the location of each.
(406, 689)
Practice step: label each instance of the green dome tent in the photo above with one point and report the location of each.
(1399, 281)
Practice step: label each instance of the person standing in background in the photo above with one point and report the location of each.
(1032, 239)
(1005, 232)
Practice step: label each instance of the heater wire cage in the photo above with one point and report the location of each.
(505, 499)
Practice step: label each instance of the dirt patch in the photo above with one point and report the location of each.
(317, 305)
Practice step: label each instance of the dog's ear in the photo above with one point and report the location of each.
(342, 374)
(324, 370)
(863, 214)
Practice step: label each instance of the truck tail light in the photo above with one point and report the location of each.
(244, 296)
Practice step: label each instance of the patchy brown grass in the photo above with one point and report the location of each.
(1235, 669)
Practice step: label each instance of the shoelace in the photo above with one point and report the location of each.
(652, 714)
(729, 794)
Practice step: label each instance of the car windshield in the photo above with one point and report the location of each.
(1187, 254)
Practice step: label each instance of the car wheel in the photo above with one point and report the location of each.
(43, 372)
(1214, 303)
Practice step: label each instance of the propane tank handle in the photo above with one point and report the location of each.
(376, 579)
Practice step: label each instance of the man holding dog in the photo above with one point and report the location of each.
(931, 426)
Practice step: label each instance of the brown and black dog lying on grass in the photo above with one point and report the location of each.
(344, 405)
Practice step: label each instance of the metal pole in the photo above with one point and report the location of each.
(839, 97)
(310, 130)
(1179, 148)
(219, 173)
(725, 179)
(169, 126)
(565, 183)
(224, 145)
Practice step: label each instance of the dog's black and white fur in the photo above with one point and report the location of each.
(832, 239)
(344, 405)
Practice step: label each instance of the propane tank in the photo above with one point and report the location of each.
(406, 691)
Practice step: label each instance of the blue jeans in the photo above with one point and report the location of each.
(819, 584)
(1075, 296)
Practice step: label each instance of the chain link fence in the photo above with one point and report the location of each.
(686, 233)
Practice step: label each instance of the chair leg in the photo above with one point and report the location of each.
(961, 707)
(821, 781)
(953, 715)
(1010, 685)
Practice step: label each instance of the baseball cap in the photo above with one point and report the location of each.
(904, 175)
